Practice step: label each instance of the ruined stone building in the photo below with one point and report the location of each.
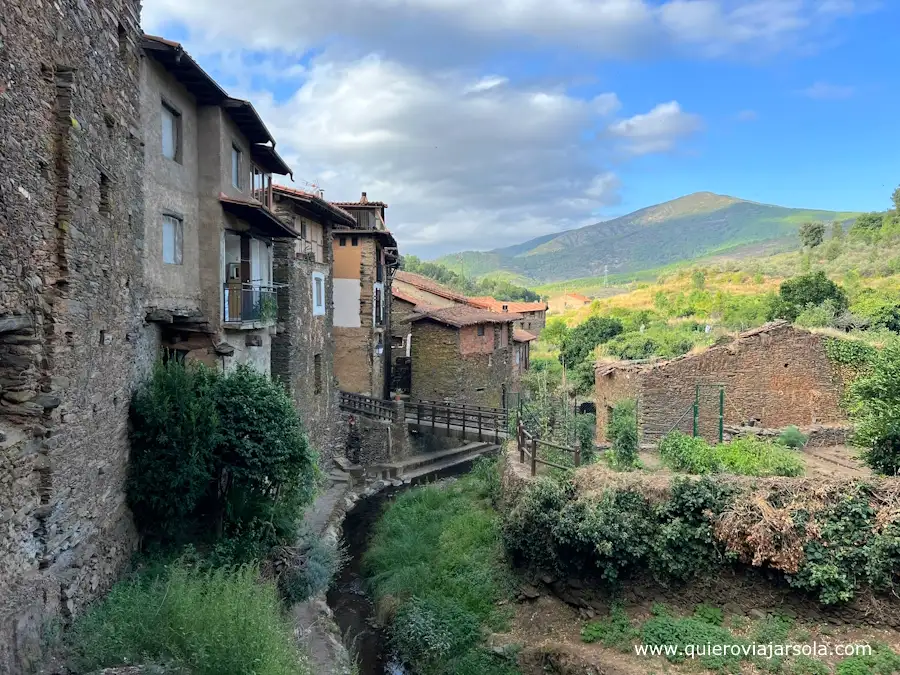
(209, 227)
(303, 351)
(71, 232)
(534, 314)
(365, 256)
(521, 360)
(462, 354)
(773, 377)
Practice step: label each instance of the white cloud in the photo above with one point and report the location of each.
(825, 91)
(487, 83)
(656, 131)
(747, 116)
(444, 31)
(459, 170)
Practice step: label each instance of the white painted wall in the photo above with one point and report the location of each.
(346, 303)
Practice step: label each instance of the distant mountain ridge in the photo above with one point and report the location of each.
(688, 227)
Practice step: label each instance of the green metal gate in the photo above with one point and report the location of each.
(709, 411)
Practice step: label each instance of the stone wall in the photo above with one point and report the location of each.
(612, 386)
(303, 350)
(441, 372)
(775, 377)
(71, 222)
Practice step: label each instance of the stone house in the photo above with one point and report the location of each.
(71, 223)
(521, 360)
(303, 348)
(560, 303)
(534, 314)
(365, 256)
(209, 227)
(772, 377)
(462, 354)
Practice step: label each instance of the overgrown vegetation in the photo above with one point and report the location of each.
(218, 458)
(437, 568)
(830, 541)
(875, 408)
(746, 456)
(622, 432)
(205, 621)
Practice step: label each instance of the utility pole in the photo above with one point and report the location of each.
(605, 276)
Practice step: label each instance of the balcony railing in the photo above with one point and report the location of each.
(250, 303)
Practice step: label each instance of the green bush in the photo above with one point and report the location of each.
(807, 290)
(875, 410)
(623, 434)
(746, 456)
(427, 632)
(792, 437)
(882, 661)
(309, 567)
(220, 455)
(579, 342)
(665, 630)
(614, 631)
(822, 315)
(217, 622)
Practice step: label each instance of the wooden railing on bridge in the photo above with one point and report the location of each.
(459, 417)
(368, 406)
(529, 445)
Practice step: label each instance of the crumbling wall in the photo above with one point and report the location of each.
(70, 229)
(612, 385)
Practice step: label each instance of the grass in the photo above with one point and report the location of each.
(704, 629)
(207, 622)
(436, 560)
(743, 456)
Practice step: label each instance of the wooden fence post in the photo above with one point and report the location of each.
(480, 439)
(520, 440)
(464, 421)
(534, 456)
(577, 453)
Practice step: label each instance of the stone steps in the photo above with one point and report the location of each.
(424, 463)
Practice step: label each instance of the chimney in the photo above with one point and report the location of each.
(363, 199)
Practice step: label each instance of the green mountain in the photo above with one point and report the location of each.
(694, 226)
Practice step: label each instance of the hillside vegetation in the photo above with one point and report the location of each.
(694, 226)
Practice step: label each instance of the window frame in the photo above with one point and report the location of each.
(479, 330)
(318, 309)
(237, 165)
(177, 238)
(175, 113)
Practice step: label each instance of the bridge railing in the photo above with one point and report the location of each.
(530, 445)
(459, 417)
(368, 406)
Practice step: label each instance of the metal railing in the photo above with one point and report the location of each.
(368, 406)
(459, 418)
(528, 445)
(249, 303)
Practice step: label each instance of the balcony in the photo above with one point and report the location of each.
(250, 305)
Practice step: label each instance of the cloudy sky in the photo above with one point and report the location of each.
(483, 123)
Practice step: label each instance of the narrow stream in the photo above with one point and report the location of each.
(353, 609)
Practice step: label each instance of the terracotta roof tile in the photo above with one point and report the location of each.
(293, 192)
(463, 315)
(430, 285)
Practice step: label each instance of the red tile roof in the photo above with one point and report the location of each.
(463, 315)
(488, 302)
(578, 296)
(363, 202)
(520, 335)
(430, 286)
(406, 297)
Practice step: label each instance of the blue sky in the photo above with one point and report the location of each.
(484, 124)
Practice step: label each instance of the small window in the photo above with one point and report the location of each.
(481, 330)
(317, 373)
(354, 241)
(173, 234)
(171, 133)
(342, 241)
(397, 341)
(105, 199)
(303, 229)
(236, 166)
(318, 291)
(379, 307)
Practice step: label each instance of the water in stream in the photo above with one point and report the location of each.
(353, 609)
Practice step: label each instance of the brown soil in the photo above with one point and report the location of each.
(548, 632)
(835, 461)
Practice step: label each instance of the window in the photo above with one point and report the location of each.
(173, 234)
(235, 166)
(354, 241)
(303, 229)
(318, 291)
(317, 373)
(481, 330)
(171, 132)
(396, 341)
(379, 307)
(342, 241)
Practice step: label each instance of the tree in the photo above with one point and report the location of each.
(837, 230)
(867, 226)
(875, 409)
(698, 279)
(812, 234)
(580, 341)
(555, 332)
(798, 293)
(895, 198)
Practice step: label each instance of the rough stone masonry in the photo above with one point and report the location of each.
(70, 280)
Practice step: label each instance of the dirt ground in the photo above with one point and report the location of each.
(549, 634)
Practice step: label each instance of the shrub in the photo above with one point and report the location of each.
(224, 455)
(306, 569)
(579, 342)
(687, 453)
(800, 292)
(882, 661)
(665, 630)
(792, 437)
(429, 631)
(875, 410)
(215, 622)
(614, 631)
(622, 433)
(822, 315)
